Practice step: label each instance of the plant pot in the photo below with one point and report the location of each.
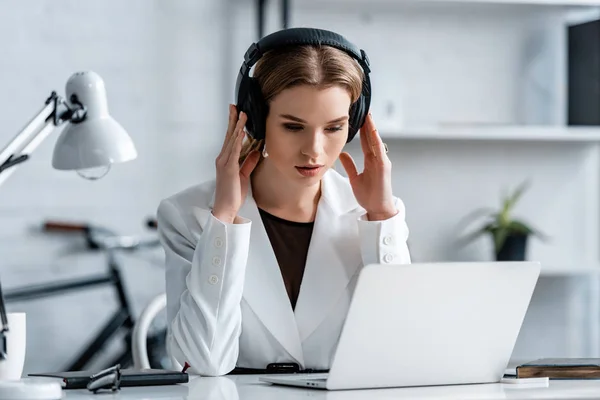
(514, 248)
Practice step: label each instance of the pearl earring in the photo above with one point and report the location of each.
(264, 152)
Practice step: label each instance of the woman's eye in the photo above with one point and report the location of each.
(297, 128)
(292, 127)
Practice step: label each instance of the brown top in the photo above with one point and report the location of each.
(290, 241)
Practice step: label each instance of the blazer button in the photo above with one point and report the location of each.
(213, 280)
(388, 258)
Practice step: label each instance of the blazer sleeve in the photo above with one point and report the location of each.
(385, 242)
(204, 284)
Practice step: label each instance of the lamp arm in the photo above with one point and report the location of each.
(54, 113)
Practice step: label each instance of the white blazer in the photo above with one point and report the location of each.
(227, 305)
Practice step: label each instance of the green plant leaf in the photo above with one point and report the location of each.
(491, 227)
(542, 236)
(520, 227)
(509, 202)
(500, 224)
(499, 238)
(466, 239)
(519, 193)
(504, 215)
(478, 213)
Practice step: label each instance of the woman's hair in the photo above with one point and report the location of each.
(319, 66)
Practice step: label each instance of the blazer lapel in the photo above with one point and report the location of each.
(333, 256)
(333, 259)
(264, 289)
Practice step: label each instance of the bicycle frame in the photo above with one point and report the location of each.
(122, 318)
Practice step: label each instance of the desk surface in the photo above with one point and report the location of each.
(248, 387)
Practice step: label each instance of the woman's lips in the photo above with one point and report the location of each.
(309, 170)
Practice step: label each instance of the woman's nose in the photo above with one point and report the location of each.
(313, 147)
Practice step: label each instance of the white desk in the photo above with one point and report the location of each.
(247, 387)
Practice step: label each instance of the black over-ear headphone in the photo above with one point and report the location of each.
(249, 97)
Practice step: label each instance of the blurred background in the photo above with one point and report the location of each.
(472, 97)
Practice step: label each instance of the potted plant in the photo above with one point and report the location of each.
(509, 235)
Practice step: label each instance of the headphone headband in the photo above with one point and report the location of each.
(246, 87)
(304, 36)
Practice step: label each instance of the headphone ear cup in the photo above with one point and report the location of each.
(256, 110)
(359, 110)
(356, 117)
(352, 121)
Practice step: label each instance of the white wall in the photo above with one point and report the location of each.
(163, 71)
(478, 65)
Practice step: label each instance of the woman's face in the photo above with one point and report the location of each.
(306, 130)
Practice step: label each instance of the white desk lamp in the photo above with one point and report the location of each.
(90, 143)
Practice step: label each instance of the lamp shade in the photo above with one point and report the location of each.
(96, 140)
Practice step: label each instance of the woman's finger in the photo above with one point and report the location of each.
(237, 148)
(230, 125)
(349, 165)
(233, 117)
(369, 126)
(239, 130)
(364, 141)
(249, 164)
(376, 143)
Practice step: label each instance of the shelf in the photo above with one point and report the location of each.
(497, 133)
(567, 3)
(570, 270)
(400, 3)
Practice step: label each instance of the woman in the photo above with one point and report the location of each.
(262, 261)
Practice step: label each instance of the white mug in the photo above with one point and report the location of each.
(12, 367)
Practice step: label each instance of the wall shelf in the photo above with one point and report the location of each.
(493, 133)
(567, 3)
(570, 270)
(400, 3)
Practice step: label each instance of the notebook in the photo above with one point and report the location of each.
(129, 377)
(561, 368)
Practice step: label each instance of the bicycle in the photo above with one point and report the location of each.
(102, 239)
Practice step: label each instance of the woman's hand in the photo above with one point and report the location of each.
(232, 179)
(372, 187)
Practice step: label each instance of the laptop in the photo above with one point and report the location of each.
(427, 324)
